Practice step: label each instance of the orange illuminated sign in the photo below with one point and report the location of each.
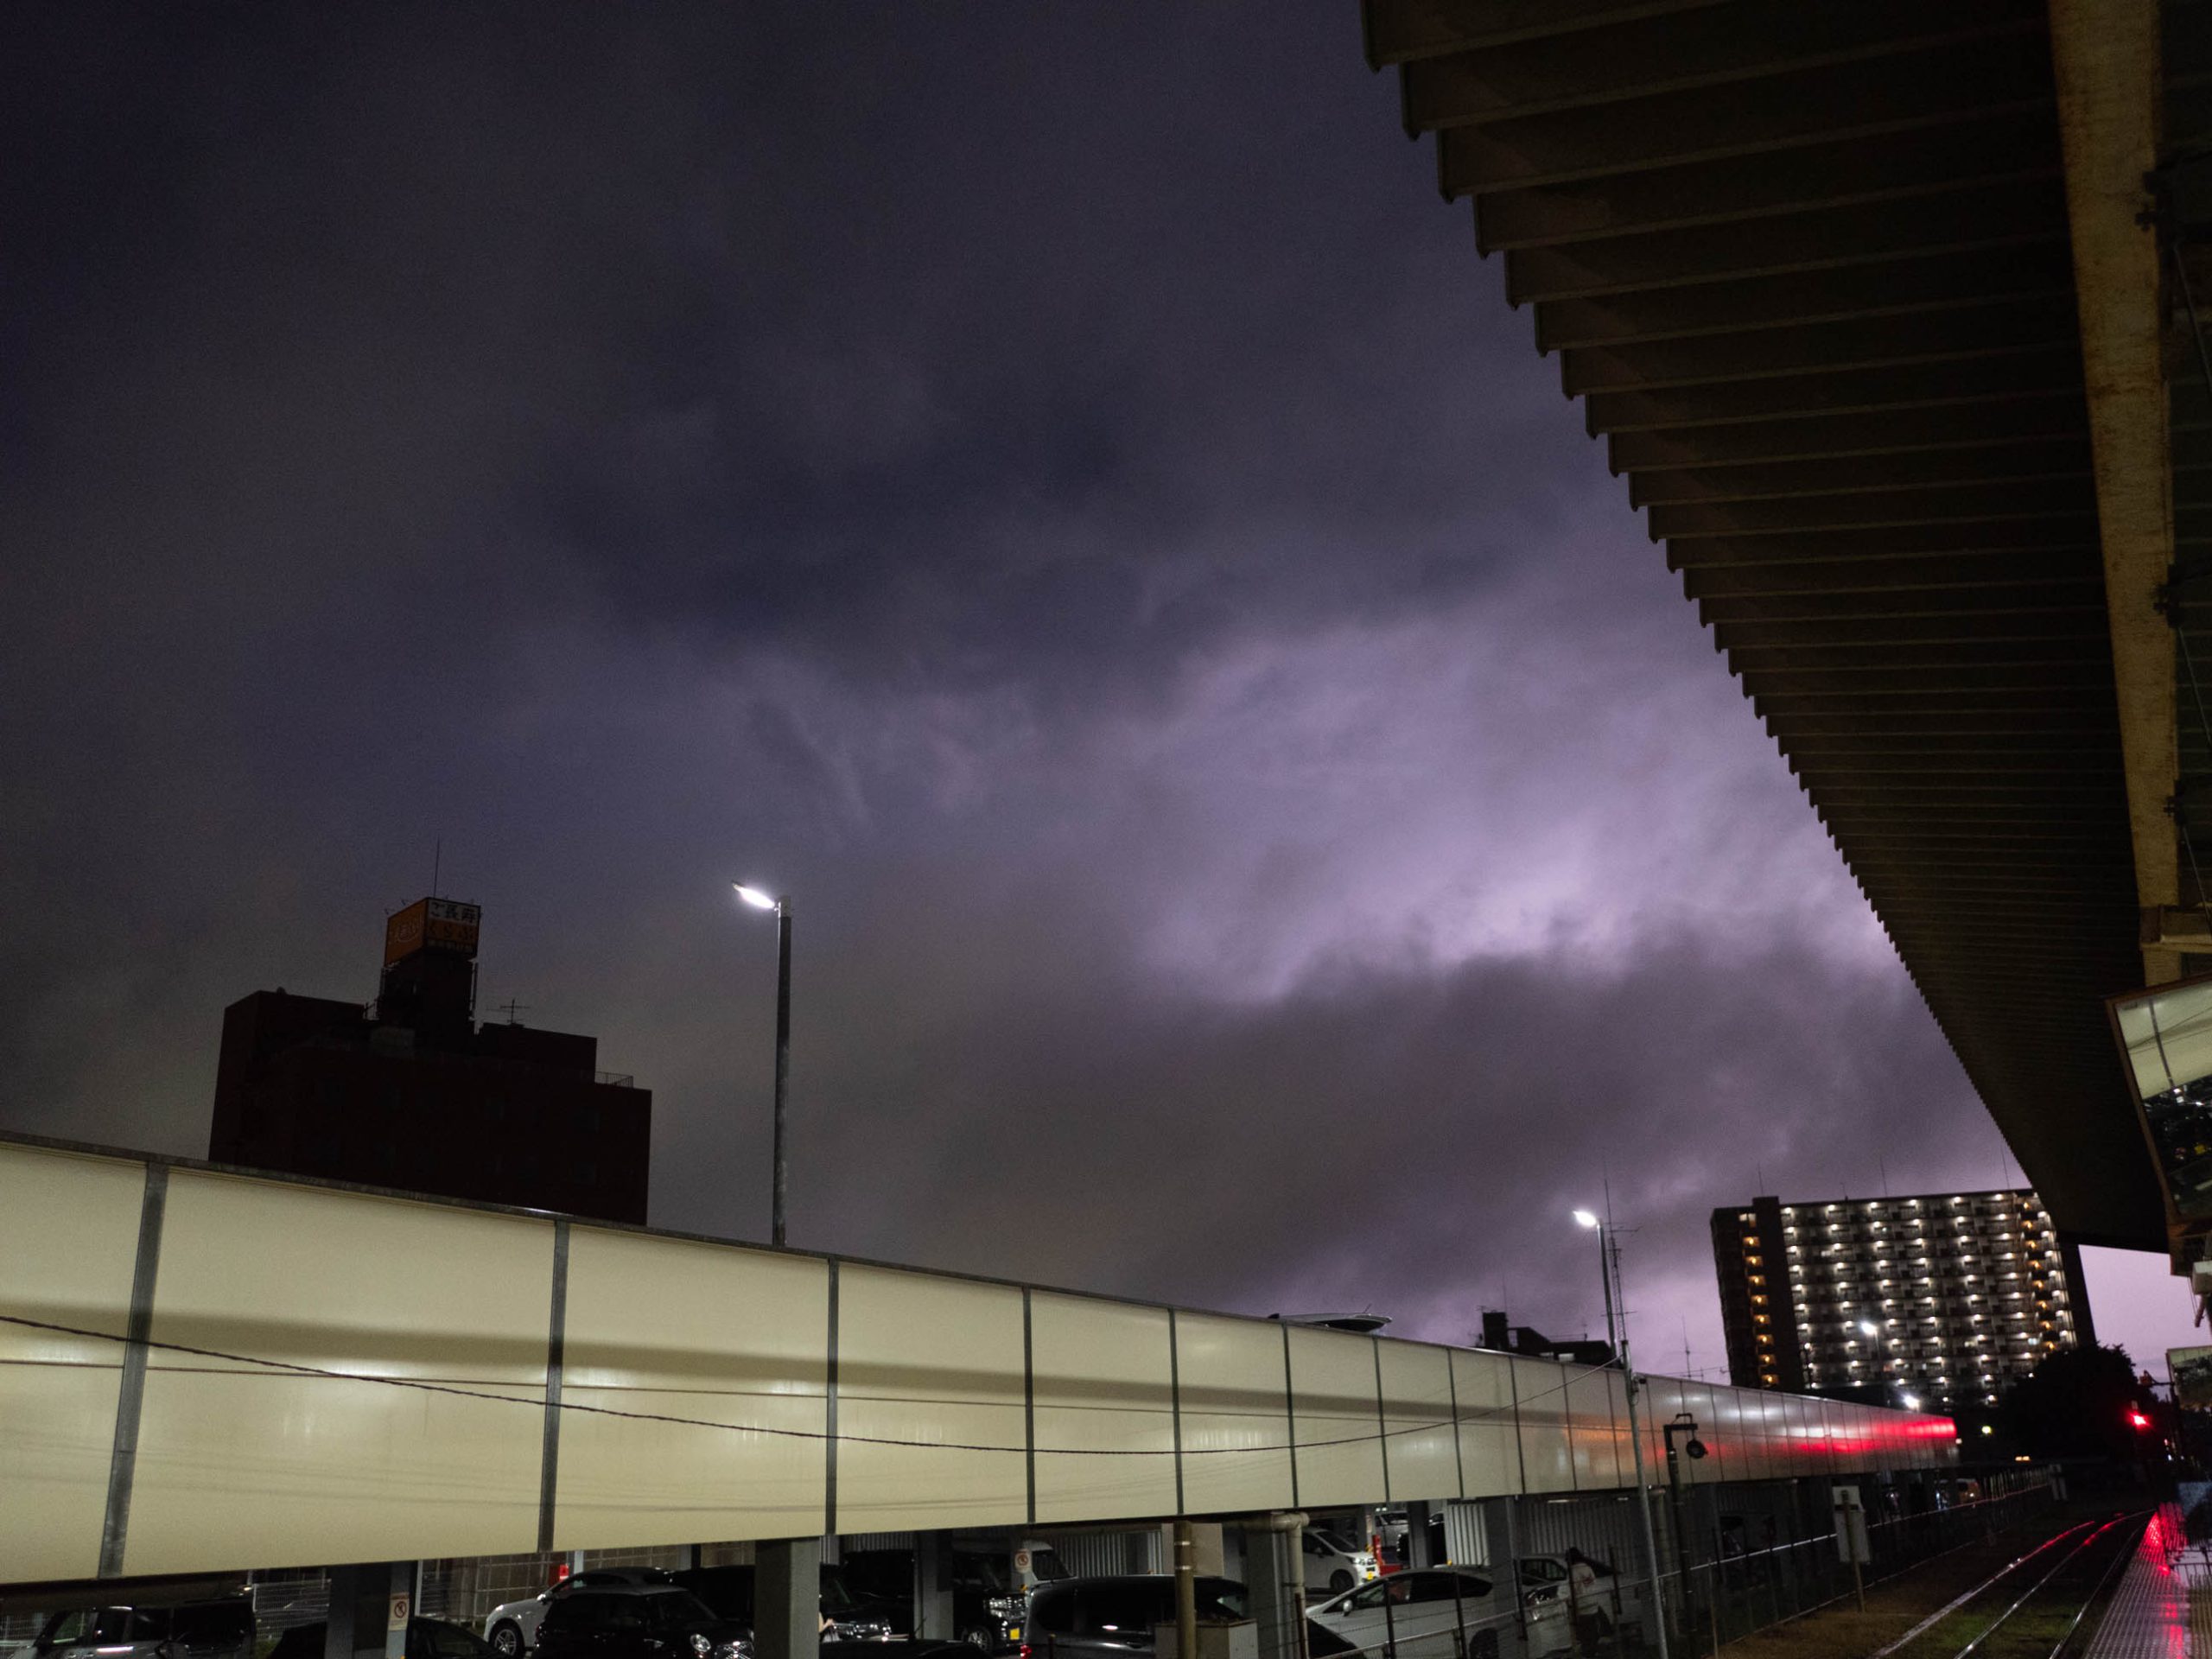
(431, 924)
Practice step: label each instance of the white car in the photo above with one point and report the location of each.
(512, 1625)
(1418, 1614)
(1334, 1565)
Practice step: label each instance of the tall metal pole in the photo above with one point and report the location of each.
(1636, 1443)
(784, 1057)
(1608, 1265)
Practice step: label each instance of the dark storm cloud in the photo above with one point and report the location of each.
(1048, 486)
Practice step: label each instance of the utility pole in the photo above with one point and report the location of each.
(1635, 1437)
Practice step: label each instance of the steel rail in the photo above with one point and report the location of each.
(2118, 1561)
(1960, 1601)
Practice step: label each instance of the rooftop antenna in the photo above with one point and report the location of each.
(511, 1008)
(1685, 1345)
(1886, 1174)
(437, 863)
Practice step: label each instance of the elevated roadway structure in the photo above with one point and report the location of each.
(1875, 307)
(203, 1371)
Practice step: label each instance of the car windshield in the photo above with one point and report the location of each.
(1220, 1598)
(1044, 1565)
(671, 1609)
(1333, 1541)
(223, 1621)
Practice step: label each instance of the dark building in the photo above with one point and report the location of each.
(1501, 1337)
(1938, 1300)
(1748, 1250)
(412, 1093)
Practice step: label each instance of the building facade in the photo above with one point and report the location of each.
(1939, 1300)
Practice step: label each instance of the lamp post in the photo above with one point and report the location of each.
(761, 900)
(1609, 1261)
(1686, 1425)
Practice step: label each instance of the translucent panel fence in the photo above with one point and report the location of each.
(202, 1370)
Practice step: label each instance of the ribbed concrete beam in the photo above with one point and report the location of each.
(2105, 53)
(2049, 417)
(2006, 148)
(1964, 385)
(1819, 105)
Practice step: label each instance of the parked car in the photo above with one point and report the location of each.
(1416, 1614)
(846, 1616)
(219, 1629)
(1334, 1563)
(427, 1638)
(512, 1625)
(639, 1621)
(987, 1602)
(1069, 1618)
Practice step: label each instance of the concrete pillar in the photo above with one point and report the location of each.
(1274, 1588)
(787, 1598)
(933, 1615)
(1420, 1547)
(362, 1599)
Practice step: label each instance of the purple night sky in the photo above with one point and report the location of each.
(1052, 488)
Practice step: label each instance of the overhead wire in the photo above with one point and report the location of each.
(298, 1369)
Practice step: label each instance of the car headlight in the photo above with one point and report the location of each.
(699, 1644)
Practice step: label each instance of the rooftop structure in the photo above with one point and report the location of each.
(411, 1093)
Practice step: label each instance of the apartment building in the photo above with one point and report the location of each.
(1938, 1300)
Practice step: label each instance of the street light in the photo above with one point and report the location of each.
(1609, 1264)
(760, 900)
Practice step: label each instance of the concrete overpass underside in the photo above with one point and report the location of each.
(1824, 277)
(208, 1371)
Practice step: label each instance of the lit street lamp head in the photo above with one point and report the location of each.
(1585, 1218)
(756, 897)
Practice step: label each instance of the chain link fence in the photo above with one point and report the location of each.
(1727, 1569)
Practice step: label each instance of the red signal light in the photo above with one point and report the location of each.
(2137, 1420)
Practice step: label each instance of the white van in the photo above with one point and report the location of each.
(1334, 1564)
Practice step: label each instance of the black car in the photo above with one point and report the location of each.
(639, 1621)
(427, 1638)
(847, 1616)
(1101, 1617)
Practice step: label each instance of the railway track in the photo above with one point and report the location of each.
(2034, 1606)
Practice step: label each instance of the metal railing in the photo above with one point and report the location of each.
(1728, 1594)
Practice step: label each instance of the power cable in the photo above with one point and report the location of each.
(297, 1368)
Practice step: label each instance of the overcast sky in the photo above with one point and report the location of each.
(1049, 486)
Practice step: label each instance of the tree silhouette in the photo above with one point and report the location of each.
(2079, 1404)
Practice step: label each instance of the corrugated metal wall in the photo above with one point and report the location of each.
(1604, 1527)
(318, 1373)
